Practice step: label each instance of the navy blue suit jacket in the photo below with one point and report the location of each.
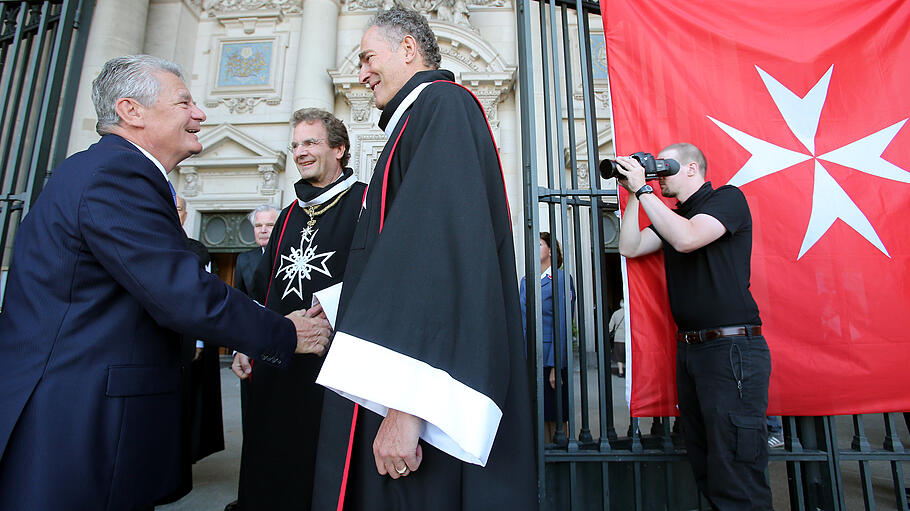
(547, 320)
(100, 284)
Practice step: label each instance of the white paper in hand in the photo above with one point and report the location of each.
(329, 298)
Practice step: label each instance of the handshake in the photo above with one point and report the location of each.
(313, 332)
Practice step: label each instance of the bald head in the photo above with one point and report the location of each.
(685, 154)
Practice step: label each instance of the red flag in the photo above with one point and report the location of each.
(802, 105)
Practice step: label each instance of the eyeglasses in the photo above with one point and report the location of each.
(306, 144)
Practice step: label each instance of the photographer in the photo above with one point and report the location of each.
(722, 360)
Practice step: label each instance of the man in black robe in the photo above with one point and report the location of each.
(263, 220)
(429, 338)
(307, 252)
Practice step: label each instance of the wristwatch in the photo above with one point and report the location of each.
(643, 189)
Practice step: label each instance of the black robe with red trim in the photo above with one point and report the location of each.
(282, 423)
(429, 321)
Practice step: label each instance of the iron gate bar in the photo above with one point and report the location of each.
(9, 102)
(811, 454)
(81, 21)
(559, 436)
(531, 226)
(893, 444)
(584, 435)
(39, 167)
(601, 297)
(9, 97)
(36, 50)
(556, 166)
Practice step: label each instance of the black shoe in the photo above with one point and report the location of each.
(232, 506)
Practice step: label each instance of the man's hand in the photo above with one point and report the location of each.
(553, 377)
(313, 330)
(395, 448)
(197, 356)
(241, 366)
(633, 173)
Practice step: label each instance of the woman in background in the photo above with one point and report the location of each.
(551, 283)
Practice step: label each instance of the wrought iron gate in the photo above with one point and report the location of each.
(591, 465)
(41, 50)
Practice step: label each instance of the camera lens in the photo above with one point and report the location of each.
(608, 169)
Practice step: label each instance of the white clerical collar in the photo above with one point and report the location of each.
(149, 156)
(330, 192)
(407, 102)
(547, 273)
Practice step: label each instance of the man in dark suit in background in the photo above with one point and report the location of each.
(100, 284)
(263, 220)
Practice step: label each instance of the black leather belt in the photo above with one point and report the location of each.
(710, 334)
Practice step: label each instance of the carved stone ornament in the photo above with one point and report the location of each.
(191, 184)
(583, 174)
(241, 104)
(450, 11)
(219, 7)
(268, 184)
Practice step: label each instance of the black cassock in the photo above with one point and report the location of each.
(282, 424)
(429, 321)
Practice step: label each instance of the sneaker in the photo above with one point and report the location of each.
(775, 442)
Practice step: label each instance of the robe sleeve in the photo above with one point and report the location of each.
(427, 328)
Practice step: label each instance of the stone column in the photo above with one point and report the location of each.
(316, 55)
(118, 28)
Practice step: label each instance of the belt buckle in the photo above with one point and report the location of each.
(692, 338)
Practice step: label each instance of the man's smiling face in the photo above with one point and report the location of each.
(383, 65)
(318, 163)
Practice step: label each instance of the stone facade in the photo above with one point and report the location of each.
(251, 63)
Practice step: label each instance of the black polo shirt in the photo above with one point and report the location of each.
(709, 287)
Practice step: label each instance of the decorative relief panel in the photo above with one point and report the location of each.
(452, 11)
(365, 152)
(218, 7)
(246, 72)
(244, 64)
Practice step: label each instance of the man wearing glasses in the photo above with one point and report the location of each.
(306, 252)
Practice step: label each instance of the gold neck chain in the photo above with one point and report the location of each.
(315, 211)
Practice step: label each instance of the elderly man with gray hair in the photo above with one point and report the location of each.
(100, 289)
(430, 406)
(263, 220)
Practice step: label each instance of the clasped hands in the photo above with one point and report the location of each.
(313, 332)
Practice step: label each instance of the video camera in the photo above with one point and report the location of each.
(654, 168)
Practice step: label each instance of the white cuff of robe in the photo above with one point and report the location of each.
(459, 420)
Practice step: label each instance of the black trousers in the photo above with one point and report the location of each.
(722, 388)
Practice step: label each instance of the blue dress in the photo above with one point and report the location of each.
(549, 335)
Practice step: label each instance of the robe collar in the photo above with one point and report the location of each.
(398, 104)
(309, 195)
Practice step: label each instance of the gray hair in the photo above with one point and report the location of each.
(130, 76)
(261, 209)
(398, 22)
(334, 128)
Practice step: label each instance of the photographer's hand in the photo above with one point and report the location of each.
(633, 173)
